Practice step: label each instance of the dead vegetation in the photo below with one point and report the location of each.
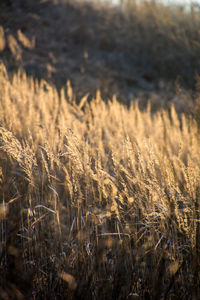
(139, 49)
(98, 201)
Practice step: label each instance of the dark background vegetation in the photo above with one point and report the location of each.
(128, 52)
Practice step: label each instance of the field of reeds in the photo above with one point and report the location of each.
(99, 198)
(98, 201)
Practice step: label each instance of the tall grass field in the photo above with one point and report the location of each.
(98, 199)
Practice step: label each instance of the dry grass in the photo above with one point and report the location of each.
(98, 201)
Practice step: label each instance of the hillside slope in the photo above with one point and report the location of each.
(139, 50)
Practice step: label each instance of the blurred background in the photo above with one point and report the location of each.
(140, 49)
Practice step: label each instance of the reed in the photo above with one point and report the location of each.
(98, 200)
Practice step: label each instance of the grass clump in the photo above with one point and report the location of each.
(98, 200)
